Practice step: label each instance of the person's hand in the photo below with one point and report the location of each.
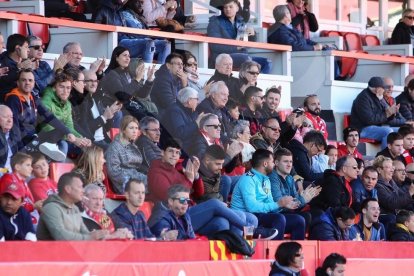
(299, 183)
(122, 233)
(85, 142)
(310, 192)
(61, 61)
(183, 77)
(285, 201)
(140, 72)
(99, 234)
(98, 65)
(39, 204)
(234, 149)
(393, 109)
(4, 71)
(317, 47)
(250, 31)
(207, 88)
(111, 110)
(411, 190)
(25, 64)
(170, 5)
(169, 235)
(150, 73)
(189, 171)
(191, 19)
(71, 138)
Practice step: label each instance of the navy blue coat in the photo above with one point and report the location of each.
(302, 162)
(170, 222)
(325, 228)
(281, 34)
(165, 89)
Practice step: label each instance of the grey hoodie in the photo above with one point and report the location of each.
(59, 221)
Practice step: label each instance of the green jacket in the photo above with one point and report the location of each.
(62, 110)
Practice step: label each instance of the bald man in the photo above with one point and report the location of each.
(9, 139)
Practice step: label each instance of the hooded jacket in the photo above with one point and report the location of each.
(60, 221)
(325, 228)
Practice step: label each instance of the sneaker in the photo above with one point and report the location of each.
(32, 147)
(265, 233)
(52, 151)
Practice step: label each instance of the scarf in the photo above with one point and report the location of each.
(303, 28)
(104, 221)
(407, 157)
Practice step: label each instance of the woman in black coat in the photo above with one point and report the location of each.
(404, 31)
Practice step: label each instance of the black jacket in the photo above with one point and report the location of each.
(302, 162)
(396, 233)
(406, 105)
(401, 34)
(233, 84)
(386, 152)
(14, 142)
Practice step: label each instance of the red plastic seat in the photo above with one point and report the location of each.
(113, 132)
(331, 33)
(146, 208)
(370, 40)
(21, 25)
(57, 169)
(40, 30)
(109, 190)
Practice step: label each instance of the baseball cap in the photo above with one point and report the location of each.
(375, 82)
(13, 189)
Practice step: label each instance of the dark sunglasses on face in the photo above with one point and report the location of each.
(215, 126)
(182, 200)
(409, 17)
(37, 47)
(253, 73)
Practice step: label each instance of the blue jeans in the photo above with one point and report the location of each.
(239, 58)
(212, 216)
(378, 133)
(227, 184)
(162, 50)
(284, 223)
(146, 48)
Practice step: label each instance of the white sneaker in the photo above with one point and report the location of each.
(52, 151)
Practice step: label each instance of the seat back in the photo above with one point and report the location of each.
(21, 25)
(347, 120)
(113, 132)
(40, 30)
(353, 41)
(331, 33)
(109, 190)
(57, 169)
(146, 208)
(370, 40)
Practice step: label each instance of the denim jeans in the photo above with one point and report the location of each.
(146, 48)
(162, 50)
(239, 58)
(227, 184)
(284, 223)
(378, 133)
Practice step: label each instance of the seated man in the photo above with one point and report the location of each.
(61, 218)
(369, 116)
(333, 225)
(399, 174)
(280, 33)
(127, 215)
(253, 194)
(231, 26)
(403, 229)
(148, 141)
(351, 138)
(406, 101)
(313, 143)
(394, 147)
(253, 97)
(407, 133)
(368, 228)
(334, 264)
(312, 107)
(364, 187)
(175, 223)
(336, 186)
(9, 138)
(15, 221)
(271, 102)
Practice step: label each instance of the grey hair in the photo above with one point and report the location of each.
(216, 87)
(238, 128)
(144, 123)
(246, 66)
(220, 57)
(69, 45)
(32, 38)
(186, 93)
(90, 188)
(177, 188)
(279, 12)
(206, 118)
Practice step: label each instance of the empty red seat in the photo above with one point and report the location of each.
(57, 169)
(370, 40)
(40, 30)
(21, 25)
(109, 191)
(113, 132)
(146, 208)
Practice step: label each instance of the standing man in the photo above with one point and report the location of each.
(351, 138)
(368, 228)
(312, 107)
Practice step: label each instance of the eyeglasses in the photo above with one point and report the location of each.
(92, 81)
(215, 126)
(410, 172)
(400, 170)
(387, 87)
(182, 200)
(37, 47)
(253, 73)
(409, 17)
(320, 149)
(273, 128)
(154, 129)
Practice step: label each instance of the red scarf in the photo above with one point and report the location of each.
(407, 156)
(215, 141)
(104, 221)
(318, 124)
(295, 11)
(349, 188)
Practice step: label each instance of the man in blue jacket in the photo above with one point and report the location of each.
(364, 187)
(368, 228)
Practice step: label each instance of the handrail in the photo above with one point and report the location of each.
(375, 57)
(111, 28)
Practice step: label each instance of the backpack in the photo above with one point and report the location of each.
(235, 243)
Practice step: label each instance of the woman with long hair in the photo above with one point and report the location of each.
(288, 259)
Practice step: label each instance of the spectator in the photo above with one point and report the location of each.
(243, 11)
(26, 113)
(390, 196)
(403, 230)
(399, 174)
(58, 8)
(176, 222)
(15, 58)
(231, 26)
(15, 221)
(77, 94)
(302, 20)
(41, 185)
(94, 118)
(364, 187)
(389, 87)
(148, 141)
(325, 160)
(223, 72)
(253, 194)
(254, 98)
(241, 133)
(91, 167)
(333, 265)
(289, 259)
(394, 147)
(407, 132)
(42, 71)
(368, 228)
(312, 107)
(95, 217)
(248, 74)
(234, 110)
(313, 143)
(127, 215)
(9, 138)
(333, 225)
(351, 138)
(336, 186)
(332, 153)
(271, 103)
(61, 218)
(410, 174)
(124, 160)
(280, 33)
(216, 104)
(55, 99)
(369, 116)
(191, 68)
(152, 10)
(180, 119)
(404, 29)
(169, 79)
(406, 101)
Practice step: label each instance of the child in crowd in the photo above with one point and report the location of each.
(41, 185)
(324, 161)
(233, 109)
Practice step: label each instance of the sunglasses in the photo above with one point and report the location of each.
(215, 126)
(273, 128)
(411, 172)
(37, 47)
(253, 73)
(182, 200)
(409, 17)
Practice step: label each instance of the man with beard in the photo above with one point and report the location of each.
(254, 98)
(363, 188)
(351, 138)
(312, 107)
(368, 228)
(271, 103)
(369, 116)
